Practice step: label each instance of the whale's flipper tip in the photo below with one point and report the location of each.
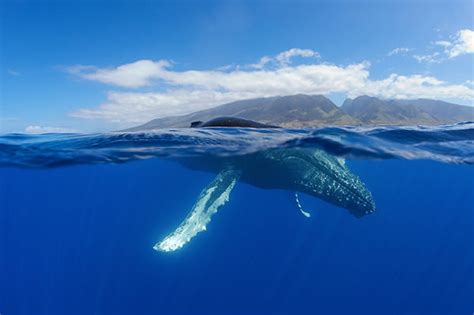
(306, 214)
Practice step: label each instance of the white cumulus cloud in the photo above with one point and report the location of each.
(430, 58)
(463, 44)
(443, 43)
(459, 44)
(132, 75)
(182, 92)
(284, 58)
(399, 51)
(414, 86)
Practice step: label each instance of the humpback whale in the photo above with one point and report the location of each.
(300, 170)
(230, 122)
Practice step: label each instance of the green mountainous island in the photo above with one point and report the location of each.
(299, 111)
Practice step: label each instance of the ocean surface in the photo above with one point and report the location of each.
(80, 215)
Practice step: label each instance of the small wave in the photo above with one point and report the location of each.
(450, 144)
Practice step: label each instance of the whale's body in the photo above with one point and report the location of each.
(302, 170)
(230, 122)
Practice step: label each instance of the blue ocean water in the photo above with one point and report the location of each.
(79, 215)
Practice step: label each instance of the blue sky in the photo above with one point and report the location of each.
(93, 66)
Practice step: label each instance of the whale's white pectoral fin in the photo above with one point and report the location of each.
(211, 198)
(305, 213)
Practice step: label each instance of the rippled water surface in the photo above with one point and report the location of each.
(78, 224)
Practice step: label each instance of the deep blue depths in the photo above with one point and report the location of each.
(78, 240)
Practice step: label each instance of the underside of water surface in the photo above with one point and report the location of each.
(79, 224)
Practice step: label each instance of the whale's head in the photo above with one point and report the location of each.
(321, 175)
(327, 177)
